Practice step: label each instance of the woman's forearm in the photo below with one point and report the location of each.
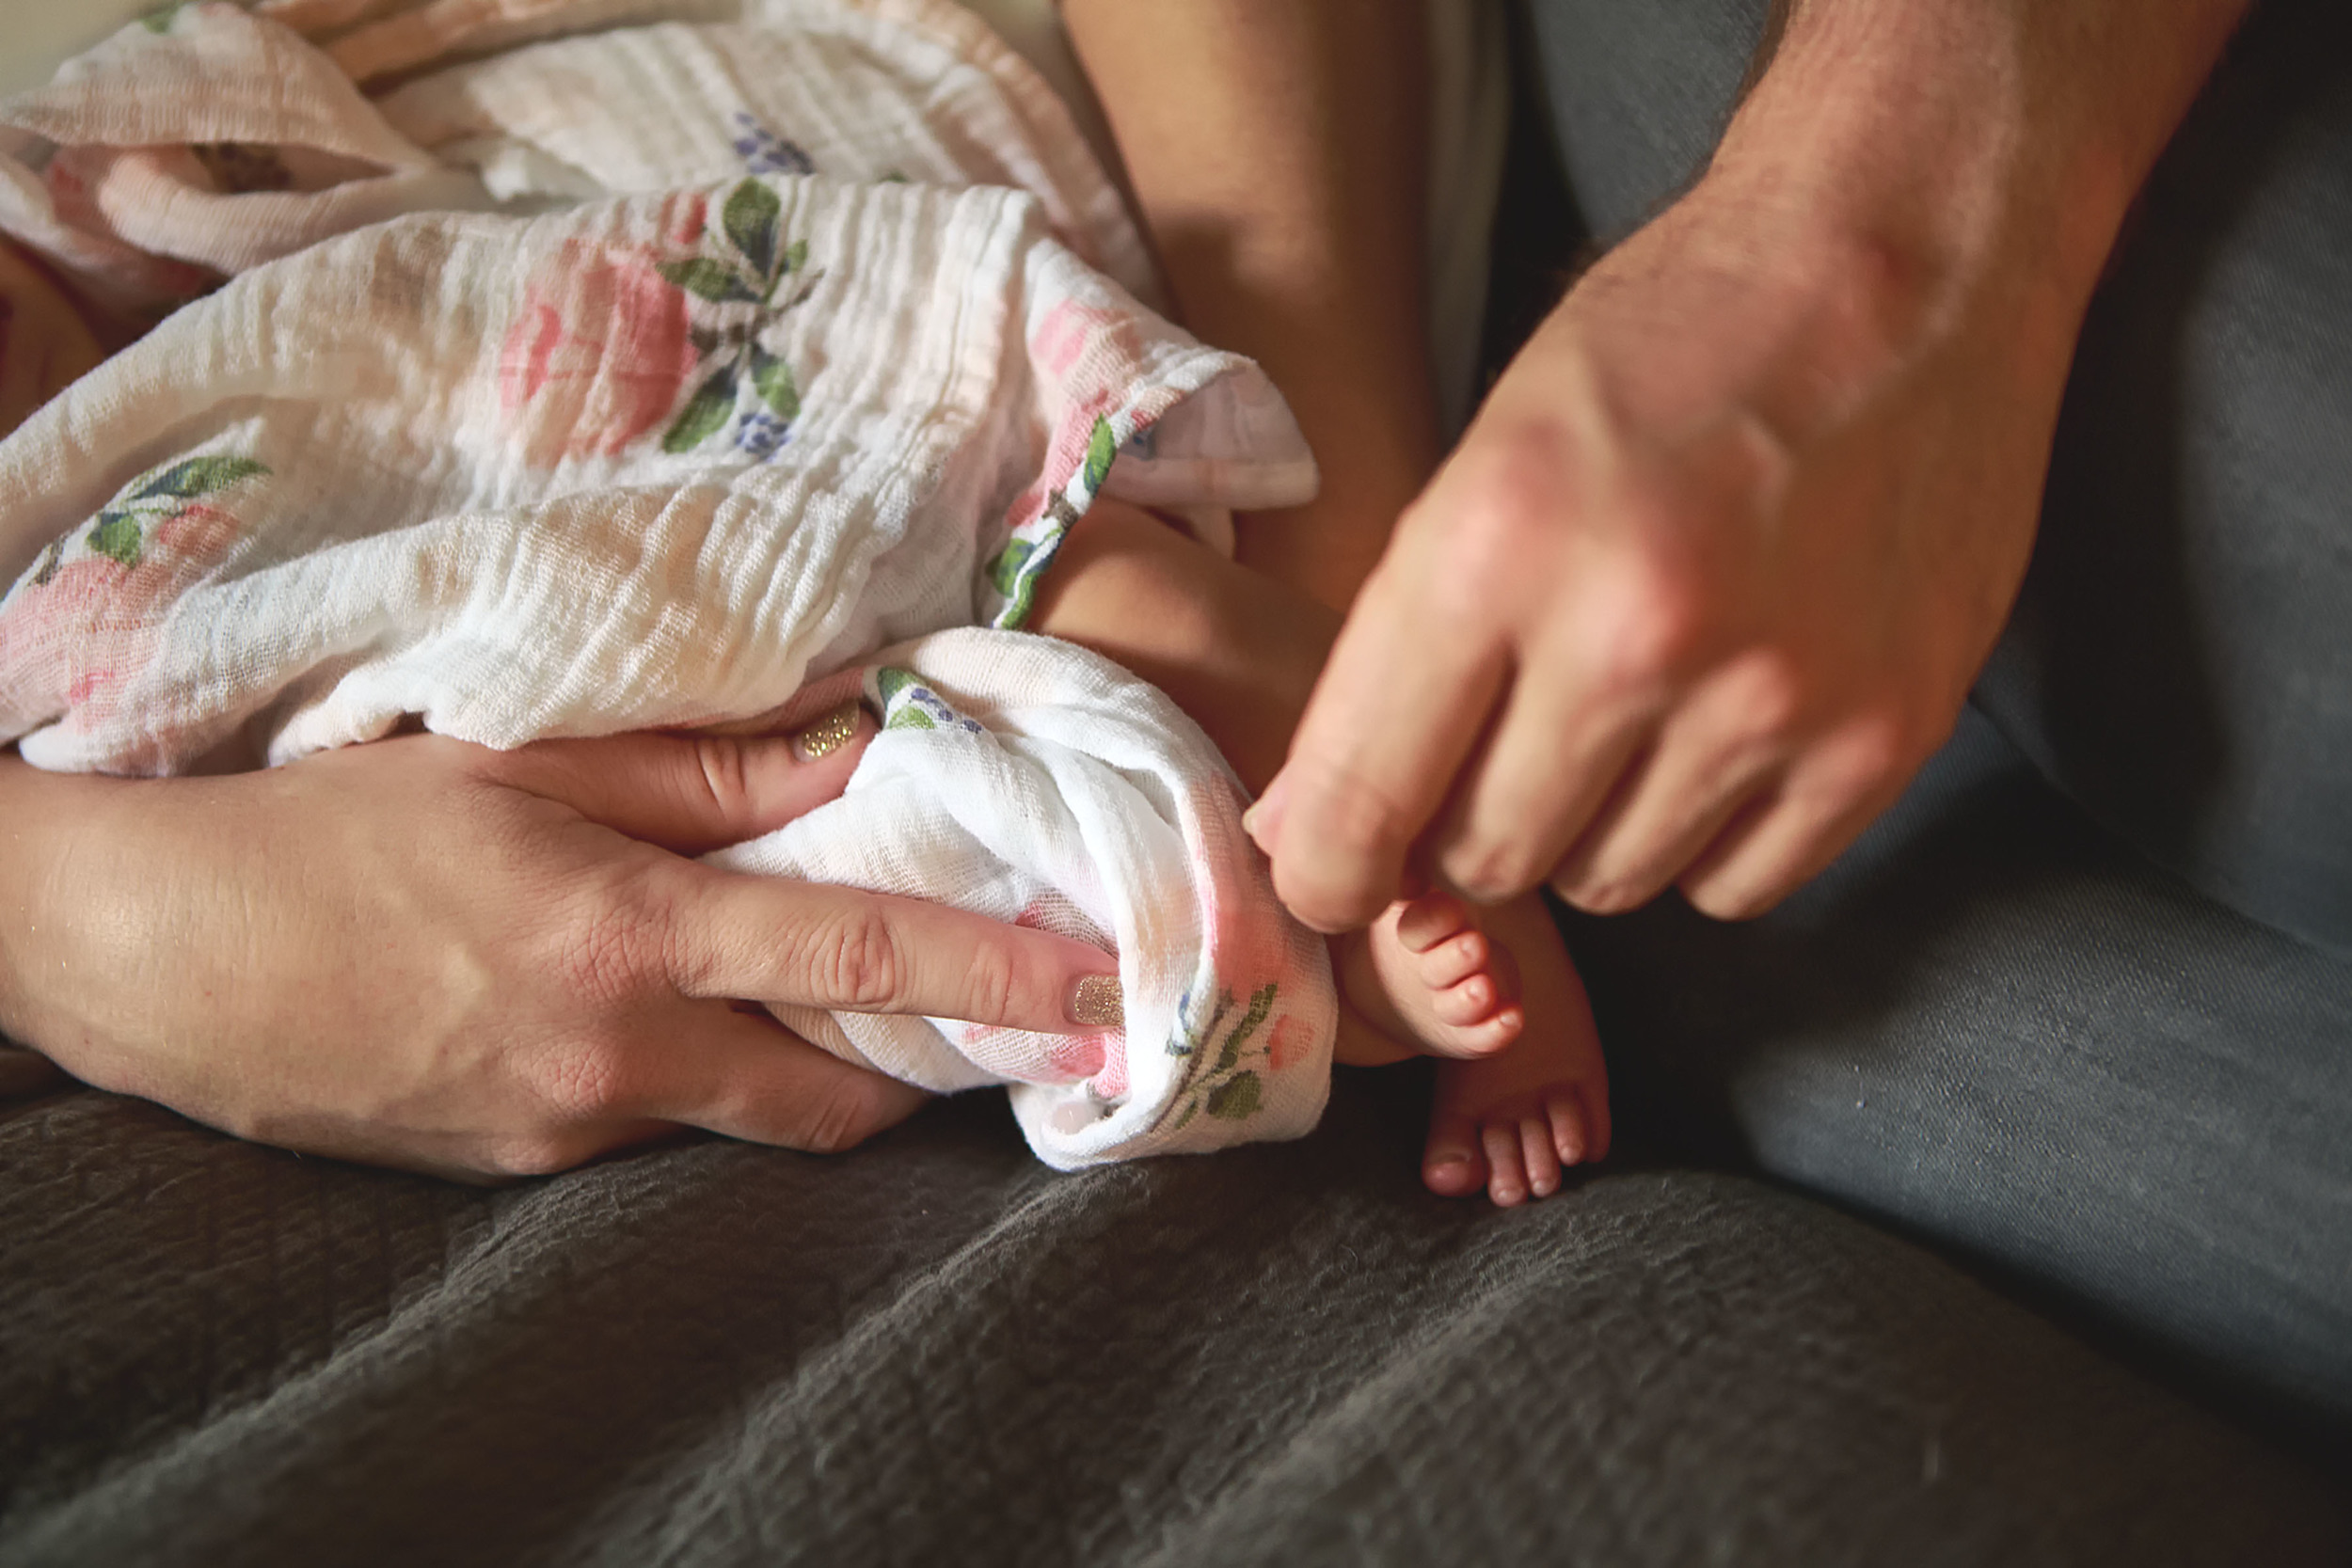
(38, 813)
(1280, 155)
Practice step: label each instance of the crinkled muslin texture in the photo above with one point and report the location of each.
(1042, 784)
(633, 365)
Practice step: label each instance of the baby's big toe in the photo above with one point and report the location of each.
(1452, 1167)
(1456, 959)
(1424, 922)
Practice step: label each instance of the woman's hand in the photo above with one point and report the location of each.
(426, 954)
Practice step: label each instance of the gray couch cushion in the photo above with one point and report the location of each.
(2000, 1027)
(934, 1351)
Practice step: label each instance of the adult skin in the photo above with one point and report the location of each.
(427, 954)
(1714, 568)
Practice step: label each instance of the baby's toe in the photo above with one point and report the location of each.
(1456, 959)
(1506, 1164)
(1452, 1165)
(1474, 1001)
(1428, 919)
(1541, 1159)
(1564, 1110)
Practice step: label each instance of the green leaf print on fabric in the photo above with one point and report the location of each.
(772, 379)
(706, 415)
(198, 476)
(118, 536)
(750, 220)
(712, 280)
(119, 531)
(1260, 1005)
(1005, 571)
(1230, 1088)
(1102, 450)
(906, 703)
(1236, 1098)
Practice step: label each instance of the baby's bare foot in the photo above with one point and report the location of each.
(1426, 977)
(1510, 1122)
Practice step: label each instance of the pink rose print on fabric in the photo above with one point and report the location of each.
(1091, 358)
(601, 350)
(75, 634)
(606, 339)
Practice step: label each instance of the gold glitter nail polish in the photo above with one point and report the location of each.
(1098, 1001)
(828, 734)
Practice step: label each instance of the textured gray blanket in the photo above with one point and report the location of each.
(934, 1351)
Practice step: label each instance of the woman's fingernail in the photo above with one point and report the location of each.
(828, 733)
(1098, 1001)
(1250, 821)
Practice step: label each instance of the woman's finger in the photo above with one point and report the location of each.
(845, 950)
(692, 793)
(746, 1076)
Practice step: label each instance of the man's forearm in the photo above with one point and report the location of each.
(1967, 137)
(1280, 155)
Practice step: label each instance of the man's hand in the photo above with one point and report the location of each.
(425, 954)
(1714, 569)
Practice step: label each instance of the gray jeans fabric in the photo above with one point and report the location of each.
(2105, 1045)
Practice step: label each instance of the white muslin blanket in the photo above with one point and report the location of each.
(643, 364)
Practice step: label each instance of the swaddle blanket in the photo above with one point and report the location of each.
(470, 437)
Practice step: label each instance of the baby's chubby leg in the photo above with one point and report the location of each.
(1522, 1086)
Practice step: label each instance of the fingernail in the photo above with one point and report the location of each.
(1098, 1001)
(828, 733)
(1262, 822)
